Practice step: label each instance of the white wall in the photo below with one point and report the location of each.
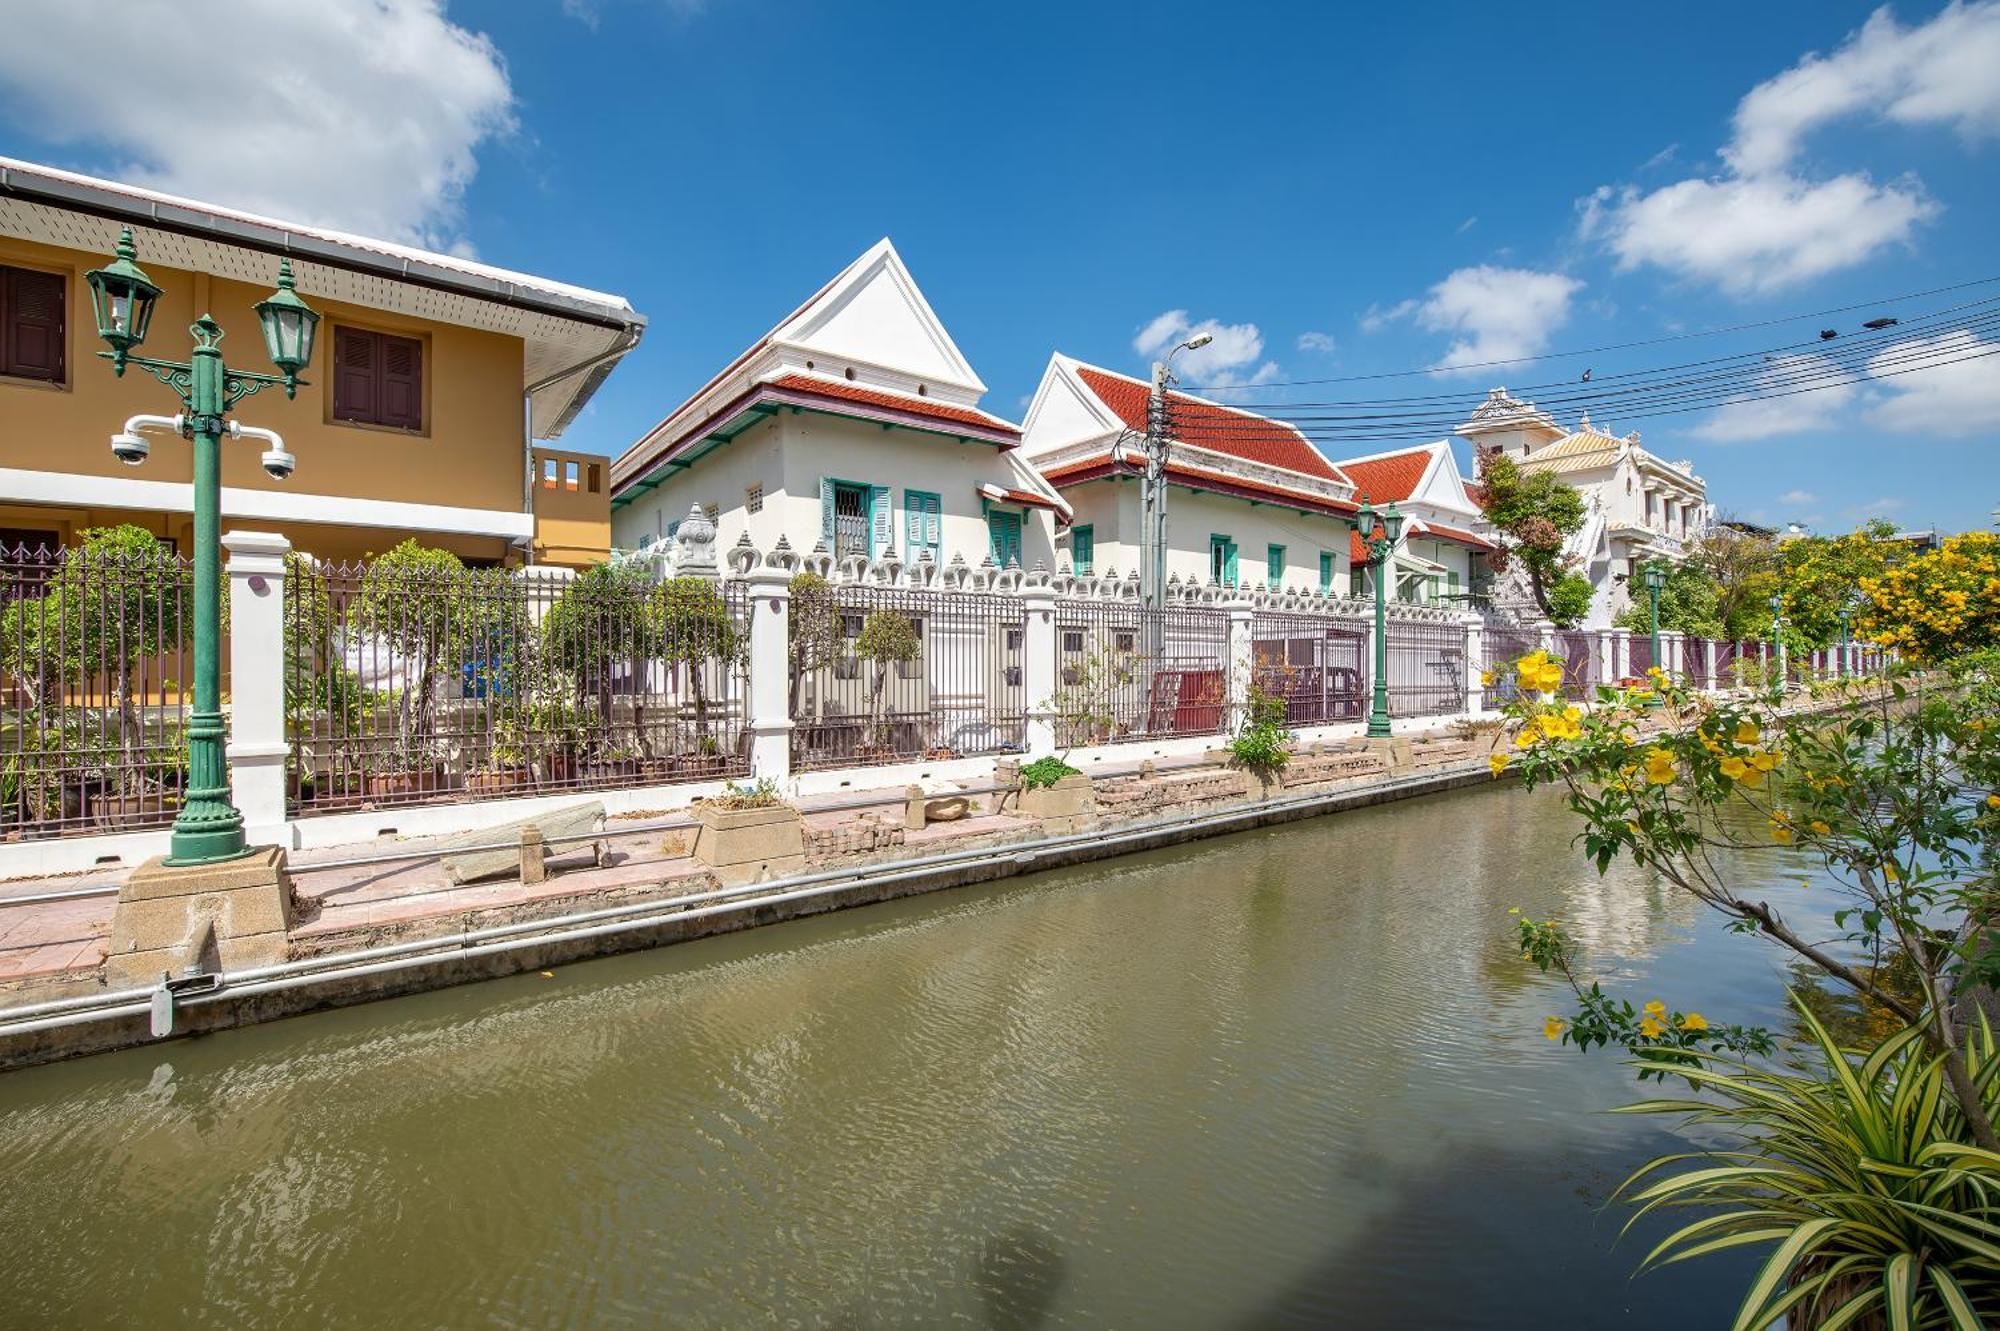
(1112, 508)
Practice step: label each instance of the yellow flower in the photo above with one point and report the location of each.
(1747, 732)
(1734, 768)
(1498, 762)
(1694, 1021)
(1762, 761)
(1656, 1008)
(1656, 672)
(1890, 872)
(1632, 827)
(1572, 714)
(1486, 679)
(1993, 801)
(1526, 739)
(1781, 834)
(1708, 743)
(1553, 1028)
(1650, 1028)
(1660, 767)
(1820, 828)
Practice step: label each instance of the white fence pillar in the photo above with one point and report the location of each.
(1038, 667)
(770, 700)
(1242, 665)
(257, 749)
(1671, 655)
(1711, 653)
(1475, 665)
(1616, 645)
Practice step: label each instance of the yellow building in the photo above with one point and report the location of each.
(431, 378)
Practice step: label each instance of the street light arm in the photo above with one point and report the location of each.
(147, 422)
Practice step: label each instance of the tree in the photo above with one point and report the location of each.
(1820, 574)
(1744, 571)
(1689, 603)
(887, 638)
(813, 636)
(696, 630)
(1534, 516)
(604, 619)
(1937, 605)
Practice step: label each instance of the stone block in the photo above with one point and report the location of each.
(750, 845)
(491, 851)
(1070, 805)
(172, 918)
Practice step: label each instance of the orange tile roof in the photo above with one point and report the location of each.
(1388, 479)
(1242, 434)
(1458, 534)
(875, 397)
(1201, 478)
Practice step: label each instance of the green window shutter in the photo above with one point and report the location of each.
(1326, 570)
(934, 522)
(1082, 548)
(826, 512)
(922, 522)
(1451, 583)
(1005, 531)
(1357, 584)
(1274, 563)
(881, 519)
(1229, 574)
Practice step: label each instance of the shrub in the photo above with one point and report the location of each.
(1045, 772)
(1260, 747)
(762, 794)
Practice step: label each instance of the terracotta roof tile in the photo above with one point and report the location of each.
(1201, 478)
(875, 397)
(1389, 479)
(1458, 534)
(1242, 434)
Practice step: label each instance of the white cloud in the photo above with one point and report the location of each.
(1957, 398)
(1495, 314)
(1314, 341)
(1468, 224)
(1762, 224)
(1940, 72)
(1798, 497)
(1223, 363)
(1754, 234)
(1878, 508)
(1761, 415)
(363, 115)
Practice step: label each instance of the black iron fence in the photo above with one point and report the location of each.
(1315, 664)
(1503, 645)
(1582, 661)
(96, 663)
(1639, 655)
(1427, 669)
(1126, 672)
(412, 681)
(891, 674)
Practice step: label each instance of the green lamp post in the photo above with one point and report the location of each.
(1656, 582)
(1778, 638)
(1846, 613)
(209, 828)
(1379, 548)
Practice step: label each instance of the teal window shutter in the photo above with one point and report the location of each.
(1326, 570)
(923, 522)
(1229, 574)
(1451, 583)
(882, 520)
(1274, 563)
(1082, 548)
(826, 512)
(1005, 530)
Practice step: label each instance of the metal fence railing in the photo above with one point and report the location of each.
(1426, 668)
(890, 674)
(1503, 645)
(1639, 655)
(1315, 664)
(1582, 662)
(1126, 672)
(96, 658)
(1694, 663)
(412, 682)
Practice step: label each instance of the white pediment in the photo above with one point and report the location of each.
(873, 315)
(1064, 411)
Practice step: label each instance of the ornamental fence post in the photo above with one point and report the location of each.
(257, 749)
(1038, 667)
(1475, 665)
(1617, 647)
(1242, 664)
(769, 711)
(1711, 648)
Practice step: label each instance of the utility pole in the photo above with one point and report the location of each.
(1153, 494)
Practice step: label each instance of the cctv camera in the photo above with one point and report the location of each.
(278, 464)
(130, 449)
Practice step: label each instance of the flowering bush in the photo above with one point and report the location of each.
(1937, 605)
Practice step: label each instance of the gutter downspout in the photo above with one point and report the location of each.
(627, 340)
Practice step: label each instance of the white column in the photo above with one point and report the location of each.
(770, 673)
(1670, 654)
(1612, 649)
(257, 749)
(1038, 667)
(1242, 667)
(1711, 650)
(1475, 664)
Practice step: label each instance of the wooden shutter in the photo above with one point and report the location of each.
(826, 513)
(882, 519)
(31, 324)
(354, 391)
(913, 521)
(400, 382)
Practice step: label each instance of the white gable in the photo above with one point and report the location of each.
(874, 316)
(1064, 411)
(1444, 485)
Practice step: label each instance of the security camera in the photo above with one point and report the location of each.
(278, 464)
(129, 448)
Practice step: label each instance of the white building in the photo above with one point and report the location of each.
(1251, 500)
(854, 424)
(1441, 552)
(1639, 506)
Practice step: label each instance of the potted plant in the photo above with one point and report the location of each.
(749, 834)
(888, 639)
(406, 770)
(1056, 795)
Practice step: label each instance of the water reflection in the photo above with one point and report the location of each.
(1291, 1076)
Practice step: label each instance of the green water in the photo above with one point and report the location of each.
(1293, 1077)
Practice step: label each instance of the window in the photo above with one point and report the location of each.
(378, 379)
(1274, 564)
(31, 324)
(1005, 530)
(850, 520)
(1222, 560)
(1326, 571)
(570, 475)
(753, 499)
(923, 524)
(1357, 582)
(1082, 548)
(596, 478)
(1451, 585)
(548, 473)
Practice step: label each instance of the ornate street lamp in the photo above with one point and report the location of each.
(1379, 549)
(1778, 638)
(1656, 582)
(209, 828)
(1846, 613)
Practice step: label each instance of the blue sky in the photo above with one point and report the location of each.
(1339, 190)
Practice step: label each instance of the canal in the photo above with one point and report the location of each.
(1291, 1077)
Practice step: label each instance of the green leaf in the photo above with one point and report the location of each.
(1956, 1305)
(1757, 1310)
